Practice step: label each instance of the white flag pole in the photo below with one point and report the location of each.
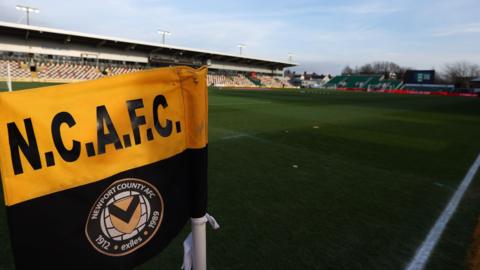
(199, 237)
(9, 78)
(195, 246)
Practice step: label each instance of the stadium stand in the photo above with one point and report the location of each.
(18, 69)
(357, 81)
(59, 72)
(219, 80)
(363, 82)
(241, 80)
(391, 84)
(68, 72)
(121, 70)
(41, 54)
(274, 82)
(337, 80)
(72, 70)
(285, 81)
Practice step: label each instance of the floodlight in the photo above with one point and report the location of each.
(241, 46)
(290, 57)
(164, 33)
(28, 10)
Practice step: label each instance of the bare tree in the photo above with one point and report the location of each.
(461, 73)
(347, 71)
(379, 68)
(366, 69)
(385, 68)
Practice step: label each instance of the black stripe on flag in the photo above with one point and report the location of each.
(63, 230)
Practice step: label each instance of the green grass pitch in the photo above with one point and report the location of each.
(317, 179)
(24, 85)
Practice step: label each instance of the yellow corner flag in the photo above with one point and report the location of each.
(105, 173)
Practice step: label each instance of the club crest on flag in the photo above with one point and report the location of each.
(124, 217)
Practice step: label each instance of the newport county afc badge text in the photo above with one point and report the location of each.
(125, 217)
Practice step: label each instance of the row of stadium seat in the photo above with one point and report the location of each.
(121, 70)
(372, 82)
(274, 82)
(219, 80)
(68, 72)
(59, 71)
(237, 80)
(285, 81)
(240, 80)
(18, 69)
(51, 71)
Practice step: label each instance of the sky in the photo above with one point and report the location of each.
(322, 36)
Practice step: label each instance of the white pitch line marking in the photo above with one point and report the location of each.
(425, 250)
(240, 103)
(235, 136)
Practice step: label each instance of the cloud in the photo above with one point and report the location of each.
(468, 28)
(364, 8)
(8, 11)
(322, 34)
(367, 8)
